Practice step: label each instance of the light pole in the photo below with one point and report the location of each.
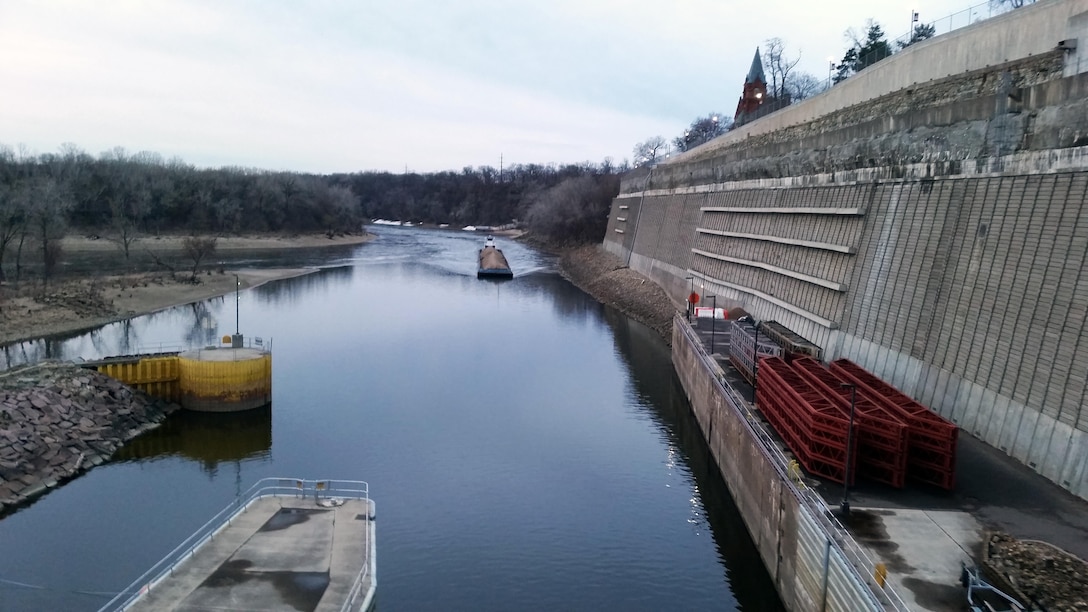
(845, 505)
(830, 68)
(691, 291)
(755, 357)
(713, 320)
(237, 300)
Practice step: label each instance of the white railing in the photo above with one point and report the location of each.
(254, 342)
(267, 487)
(837, 535)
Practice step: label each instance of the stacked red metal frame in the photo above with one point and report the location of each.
(932, 453)
(880, 436)
(812, 425)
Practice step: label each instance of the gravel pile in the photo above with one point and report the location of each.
(1040, 574)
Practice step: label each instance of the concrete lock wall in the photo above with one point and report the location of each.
(953, 272)
(967, 293)
(809, 569)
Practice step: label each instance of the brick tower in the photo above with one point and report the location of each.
(755, 91)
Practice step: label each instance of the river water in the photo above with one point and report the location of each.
(527, 448)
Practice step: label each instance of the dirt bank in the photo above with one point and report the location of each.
(611, 282)
(84, 302)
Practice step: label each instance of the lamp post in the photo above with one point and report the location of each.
(755, 357)
(690, 291)
(844, 507)
(237, 300)
(830, 68)
(713, 320)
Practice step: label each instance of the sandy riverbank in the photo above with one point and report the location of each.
(76, 304)
(74, 245)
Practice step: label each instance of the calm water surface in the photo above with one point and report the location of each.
(527, 448)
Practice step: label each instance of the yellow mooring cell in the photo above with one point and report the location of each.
(225, 379)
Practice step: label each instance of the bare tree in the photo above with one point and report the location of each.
(1009, 3)
(47, 221)
(701, 130)
(199, 248)
(13, 218)
(574, 211)
(127, 211)
(778, 66)
(648, 151)
(801, 85)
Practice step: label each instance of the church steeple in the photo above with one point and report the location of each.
(755, 73)
(755, 91)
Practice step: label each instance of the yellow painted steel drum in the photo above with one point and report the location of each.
(225, 379)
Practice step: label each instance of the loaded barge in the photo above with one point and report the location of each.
(287, 544)
(493, 263)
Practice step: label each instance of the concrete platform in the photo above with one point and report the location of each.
(922, 550)
(282, 553)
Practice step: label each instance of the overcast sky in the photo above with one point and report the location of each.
(426, 85)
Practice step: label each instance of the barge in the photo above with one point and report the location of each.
(493, 263)
(287, 544)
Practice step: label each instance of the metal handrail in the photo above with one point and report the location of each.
(266, 487)
(256, 342)
(836, 534)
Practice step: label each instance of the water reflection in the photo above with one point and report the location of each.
(713, 508)
(281, 293)
(195, 324)
(207, 438)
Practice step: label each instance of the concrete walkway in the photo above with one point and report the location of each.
(922, 533)
(281, 554)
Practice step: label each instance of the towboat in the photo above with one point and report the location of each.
(493, 263)
(286, 544)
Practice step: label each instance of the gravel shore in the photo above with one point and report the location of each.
(605, 277)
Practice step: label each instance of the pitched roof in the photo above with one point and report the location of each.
(756, 71)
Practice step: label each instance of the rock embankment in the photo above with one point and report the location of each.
(57, 420)
(606, 278)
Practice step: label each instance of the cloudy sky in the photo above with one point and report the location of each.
(426, 85)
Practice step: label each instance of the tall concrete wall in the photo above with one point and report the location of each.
(966, 292)
(942, 248)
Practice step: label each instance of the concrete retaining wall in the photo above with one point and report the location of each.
(1031, 30)
(810, 570)
(967, 293)
(941, 248)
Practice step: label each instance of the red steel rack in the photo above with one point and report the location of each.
(932, 438)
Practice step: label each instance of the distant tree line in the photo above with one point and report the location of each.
(122, 197)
